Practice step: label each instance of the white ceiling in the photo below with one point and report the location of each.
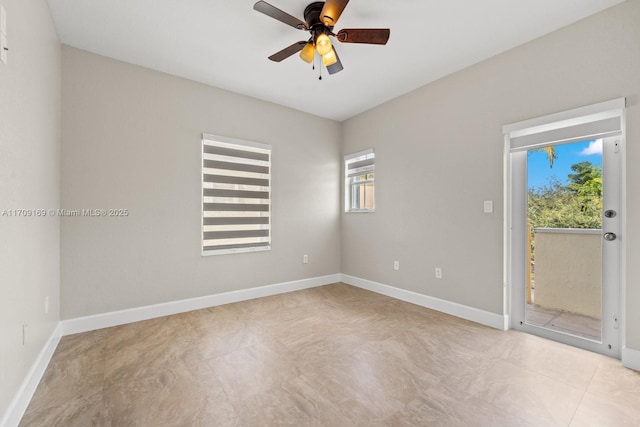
(225, 43)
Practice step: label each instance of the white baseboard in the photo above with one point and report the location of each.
(465, 312)
(115, 318)
(631, 358)
(506, 324)
(17, 407)
(20, 402)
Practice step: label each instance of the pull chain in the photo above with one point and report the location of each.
(313, 67)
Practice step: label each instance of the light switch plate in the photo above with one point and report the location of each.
(3, 51)
(488, 206)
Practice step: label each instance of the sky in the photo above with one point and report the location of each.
(567, 155)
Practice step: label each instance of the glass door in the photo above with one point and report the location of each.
(564, 225)
(564, 233)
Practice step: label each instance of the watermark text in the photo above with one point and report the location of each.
(86, 212)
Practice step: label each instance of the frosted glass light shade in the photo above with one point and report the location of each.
(307, 52)
(330, 58)
(323, 44)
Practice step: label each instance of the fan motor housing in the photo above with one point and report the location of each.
(312, 15)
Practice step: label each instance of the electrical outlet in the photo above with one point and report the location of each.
(46, 305)
(305, 259)
(396, 265)
(438, 273)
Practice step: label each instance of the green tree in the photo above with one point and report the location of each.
(587, 179)
(559, 206)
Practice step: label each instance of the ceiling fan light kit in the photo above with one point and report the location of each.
(320, 18)
(330, 58)
(323, 44)
(308, 52)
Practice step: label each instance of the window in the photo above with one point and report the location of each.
(236, 196)
(359, 171)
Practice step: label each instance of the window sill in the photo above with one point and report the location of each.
(360, 211)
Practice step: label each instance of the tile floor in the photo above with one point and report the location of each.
(330, 356)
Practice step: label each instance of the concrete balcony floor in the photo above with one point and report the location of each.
(564, 321)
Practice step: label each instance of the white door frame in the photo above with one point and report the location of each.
(547, 130)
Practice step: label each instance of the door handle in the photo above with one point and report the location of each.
(610, 236)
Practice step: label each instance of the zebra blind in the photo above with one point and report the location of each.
(595, 121)
(590, 130)
(236, 195)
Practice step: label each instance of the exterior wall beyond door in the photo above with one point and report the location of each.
(568, 270)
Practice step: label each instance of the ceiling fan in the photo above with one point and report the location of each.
(319, 19)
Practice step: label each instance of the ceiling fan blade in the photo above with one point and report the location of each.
(331, 11)
(337, 67)
(275, 13)
(364, 35)
(288, 51)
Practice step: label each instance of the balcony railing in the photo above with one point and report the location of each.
(567, 273)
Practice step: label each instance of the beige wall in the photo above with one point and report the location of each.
(568, 272)
(29, 179)
(131, 138)
(445, 138)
